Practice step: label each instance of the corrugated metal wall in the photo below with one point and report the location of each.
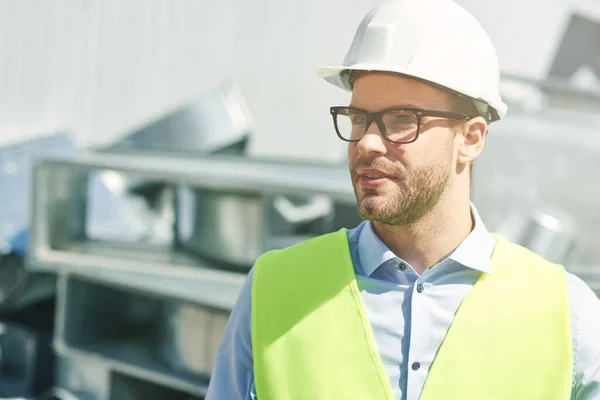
(101, 67)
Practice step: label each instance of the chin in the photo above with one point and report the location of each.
(372, 207)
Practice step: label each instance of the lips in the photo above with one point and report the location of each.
(372, 178)
(370, 173)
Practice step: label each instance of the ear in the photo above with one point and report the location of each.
(471, 141)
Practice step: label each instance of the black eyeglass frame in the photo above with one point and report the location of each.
(378, 118)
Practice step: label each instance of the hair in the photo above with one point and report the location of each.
(352, 76)
(461, 104)
(456, 102)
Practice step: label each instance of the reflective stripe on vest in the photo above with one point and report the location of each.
(510, 338)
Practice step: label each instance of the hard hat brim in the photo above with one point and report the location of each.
(333, 75)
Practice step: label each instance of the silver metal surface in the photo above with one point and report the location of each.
(237, 228)
(84, 375)
(59, 393)
(154, 338)
(124, 387)
(209, 172)
(216, 120)
(202, 284)
(550, 233)
(547, 160)
(19, 349)
(549, 236)
(92, 378)
(229, 227)
(590, 273)
(16, 168)
(189, 336)
(58, 234)
(19, 287)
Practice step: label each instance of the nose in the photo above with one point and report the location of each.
(372, 141)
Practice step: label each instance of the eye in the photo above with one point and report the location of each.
(357, 118)
(403, 119)
(400, 120)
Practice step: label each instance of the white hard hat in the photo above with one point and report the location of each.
(437, 41)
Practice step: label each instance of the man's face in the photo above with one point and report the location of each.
(397, 184)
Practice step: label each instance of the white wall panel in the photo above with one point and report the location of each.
(100, 68)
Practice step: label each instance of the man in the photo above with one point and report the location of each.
(419, 301)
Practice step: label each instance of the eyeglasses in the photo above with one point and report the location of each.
(398, 125)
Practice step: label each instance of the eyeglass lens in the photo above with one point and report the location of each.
(400, 125)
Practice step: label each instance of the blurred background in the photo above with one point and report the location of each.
(151, 150)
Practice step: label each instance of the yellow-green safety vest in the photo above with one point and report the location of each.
(510, 338)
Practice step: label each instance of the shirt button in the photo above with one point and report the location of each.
(402, 267)
(420, 288)
(416, 366)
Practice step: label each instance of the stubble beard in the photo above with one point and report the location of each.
(415, 194)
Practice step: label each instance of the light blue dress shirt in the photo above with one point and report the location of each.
(409, 326)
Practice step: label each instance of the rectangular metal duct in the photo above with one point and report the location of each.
(59, 242)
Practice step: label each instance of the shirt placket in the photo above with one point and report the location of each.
(419, 338)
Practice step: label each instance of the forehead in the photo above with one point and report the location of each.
(374, 91)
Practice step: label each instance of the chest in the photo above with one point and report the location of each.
(409, 319)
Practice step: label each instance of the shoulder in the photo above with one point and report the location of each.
(322, 261)
(585, 309)
(580, 290)
(585, 325)
(585, 305)
(508, 249)
(511, 259)
(311, 248)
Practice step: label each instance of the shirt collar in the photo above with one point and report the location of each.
(474, 252)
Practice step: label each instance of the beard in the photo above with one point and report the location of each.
(410, 195)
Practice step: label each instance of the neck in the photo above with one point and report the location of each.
(426, 241)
